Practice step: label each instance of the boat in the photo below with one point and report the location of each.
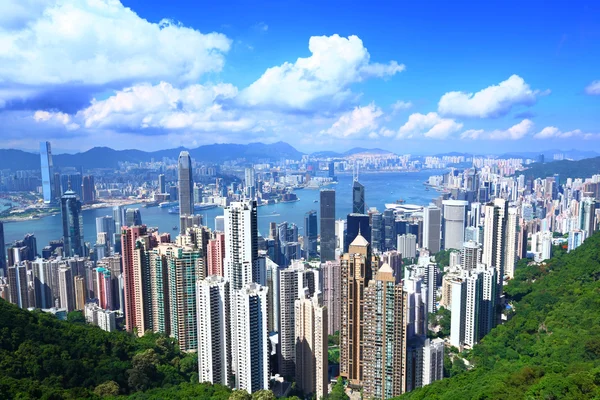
(316, 201)
(174, 228)
(204, 206)
(174, 210)
(167, 204)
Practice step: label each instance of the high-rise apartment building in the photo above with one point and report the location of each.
(511, 245)
(80, 292)
(216, 254)
(272, 272)
(356, 272)
(328, 242)
(432, 225)
(72, 225)
(455, 215)
(67, 292)
(311, 346)
(18, 286)
(433, 360)
(129, 237)
(241, 244)
(186, 184)
(214, 348)
(495, 236)
(332, 294)
(407, 245)
(470, 255)
(251, 341)
(47, 172)
(3, 265)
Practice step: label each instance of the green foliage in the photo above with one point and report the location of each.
(333, 355)
(443, 258)
(443, 319)
(263, 395)
(106, 389)
(76, 317)
(550, 348)
(334, 340)
(338, 391)
(240, 395)
(575, 169)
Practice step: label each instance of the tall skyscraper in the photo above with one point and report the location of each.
(88, 189)
(250, 183)
(433, 360)
(162, 184)
(311, 346)
(383, 336)
(216, 254)
(72, 224)
(106, 225)
(455, 216)
(47, 172)
(311, 233)
(587, 212)
(241, 244)
(432, 221)
(251, 341)
(80, 292)
(511, 248)
(129, 237)
(407, 245)
(358, 198)
(133, 217)
(357, 223)
(327, 225)
(290, 285)
(3, 265)
(214, 349)
(67, 291)
(186, 184)
(332, 294)
(495, 236)
(356, 272)
(18, 288)
(377, 232)
(272, 270)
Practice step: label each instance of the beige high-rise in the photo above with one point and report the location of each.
(311, 347)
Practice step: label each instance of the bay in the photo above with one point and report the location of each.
(380, 188)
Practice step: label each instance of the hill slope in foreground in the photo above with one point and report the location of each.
(550, 349)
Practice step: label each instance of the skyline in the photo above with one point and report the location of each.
(326, 78)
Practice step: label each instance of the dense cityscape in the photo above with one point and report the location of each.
(388, 300)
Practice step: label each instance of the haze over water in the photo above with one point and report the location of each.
(380, 188)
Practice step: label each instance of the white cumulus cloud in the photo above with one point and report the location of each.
(552, 132)
(401, 106)
(324, 78)
(55, 118)
(515, 132)
(355, 123)
(429, 125)
(493, 101)
(593, 88)
(97, 42)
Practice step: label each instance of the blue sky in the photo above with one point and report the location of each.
(420, 77)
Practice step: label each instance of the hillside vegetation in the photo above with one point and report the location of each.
(550, 349)
(565, 168)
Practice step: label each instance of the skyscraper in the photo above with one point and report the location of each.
(251, 341)
(72, 224)
(67, 291)
(214, 350)
(311, 346)
(216, 254)
(88, 189)
(332, 294)
(3, 265)
(47, 172)
(290, 282)
(377, 232)
(432, 221)
(133, 217)
(17, 283)
(327, 225)
(162, 184)
(186, 184)
(407, 245)
(311, 233)
(511, 247)
(129, 238)
(357, 223)
(455, 215)
(358, 198)
(495, 236)
(250, 183)
(241, 244)
(356, 272)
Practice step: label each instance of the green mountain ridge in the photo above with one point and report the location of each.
(550, 349)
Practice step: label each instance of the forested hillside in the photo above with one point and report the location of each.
(550, 349)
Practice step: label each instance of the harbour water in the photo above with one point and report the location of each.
(380, 188)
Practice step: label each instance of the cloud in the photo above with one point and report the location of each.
(552, 132)
(515, 132)
(58, 118)
(320, 80)
(261, 27)
(356, 122)
(593, 88)
(100, 42)
(493, 101)
(400, 106)
(429, 125)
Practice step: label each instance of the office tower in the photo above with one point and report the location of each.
(470, 255)
(311, 233)
(216, 254)
(384, 335)
(356, 223)
(495, 236)
(241, 244)
(358, 198)
(88, 189)
(67, 292)
(183, 267)
(250, 183)
(433, 361)
(327, 225)
(42, 273)
(220, 223)
(340, 233)
(80, 292)
(394, 259)
(3, 265)
(587, 211)
(332, 294)
(389, 229)
(290, 285)
(251, 341)
(311, 347)
(72, 182)
(162, 184)
(511, 252)
(214, 348)
(455, 215)
(377, 232)
(106, 225)
(356, 272)
(72, 224)
(407, 245)
(189, 221)
(17, 284)
(133, 217)
(186, 184)
(432, 225)
(272, 270)
(475, 215)
(47, 172)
